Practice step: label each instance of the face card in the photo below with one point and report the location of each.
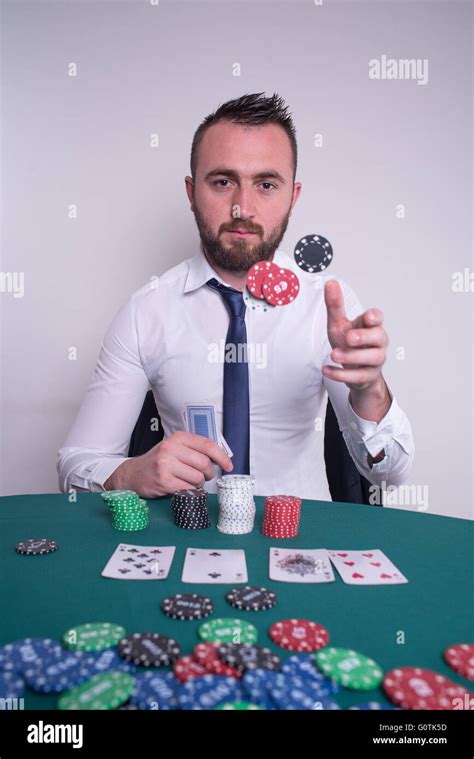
(369, 567)
(131, 562)
(300, 565)
(214, 566)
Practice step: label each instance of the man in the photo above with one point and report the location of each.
(242, 191)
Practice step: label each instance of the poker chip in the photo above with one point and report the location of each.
(461, 658)
(206, 655)
(421, 689)
(251, 598)
(190, 509)
(36, 546)
(256, 276)
(257, 685)
(349, 668)
(238, 705)
(188, 667)
(313, 253)
(126, 497)
(281, 516)
(105, 691)
(11, 686)
(236, 504)
(255, 304)
(289, 692)
(129, 512)
(149, 649)
(155, 690)
(208, 691)
(228, 630)
(107, 661)
(93, 636)
(187, 606)
(280, 287)
(19, 654)
(57, 672)
(299, 634)
(303, 666)
(245, 656)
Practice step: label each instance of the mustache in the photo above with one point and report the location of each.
(243, 227)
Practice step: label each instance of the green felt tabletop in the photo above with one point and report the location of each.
(43, 596)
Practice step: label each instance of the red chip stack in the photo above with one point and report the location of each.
(281, 516)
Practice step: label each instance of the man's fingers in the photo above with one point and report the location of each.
(361, 357)
(359, 376)
(334, 299)
(366, 338)
(209, 448)
(187, 474)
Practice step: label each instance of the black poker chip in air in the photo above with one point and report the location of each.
(187, 606)
(36, 546)
(251, 598)
(149, 649)
(245, 656)
(313, 253)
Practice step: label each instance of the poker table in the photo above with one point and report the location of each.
(400, 625)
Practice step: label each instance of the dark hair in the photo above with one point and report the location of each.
(252, 110)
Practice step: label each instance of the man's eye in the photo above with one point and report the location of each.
(220, 180)
(270, 185)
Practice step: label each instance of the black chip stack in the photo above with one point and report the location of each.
(190, 509)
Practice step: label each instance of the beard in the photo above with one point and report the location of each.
(239, 254)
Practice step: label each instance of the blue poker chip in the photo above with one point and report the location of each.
(303, 667)
(58, 672)
(20, 654)
(292, 692)
(155, 690)
(107, 660)
(208, 691)
(373, 706)
(257, 684)
(12, 686)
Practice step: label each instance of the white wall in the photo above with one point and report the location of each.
(143, 69)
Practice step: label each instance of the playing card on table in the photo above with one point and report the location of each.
(300, 565)
(131, 562)
(201, 419)
(206, 565)
(370, 567)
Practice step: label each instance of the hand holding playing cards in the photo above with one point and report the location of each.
(359, 345)
(181, 461)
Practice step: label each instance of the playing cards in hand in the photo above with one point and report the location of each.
(130, 562)
(370, 567)
(214, 566)
(201, 419)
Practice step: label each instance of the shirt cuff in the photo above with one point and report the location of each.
(100, 473)
(377, 435)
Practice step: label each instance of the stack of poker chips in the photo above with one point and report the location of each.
(190, 509)
(236, 504)
(129, 512)
(281, 516)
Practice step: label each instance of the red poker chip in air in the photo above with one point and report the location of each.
(188, 667)
(299, 634)
(280, 287)
(421, 689)
(206, 654)
(461, 658)
(256, 276)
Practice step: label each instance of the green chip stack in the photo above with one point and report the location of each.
(129, 512)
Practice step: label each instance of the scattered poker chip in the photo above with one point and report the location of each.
(57, 672)
(372, 706)
(255, 304)
(461, 658)
(19, 654)
(206, 655)
(149, 649)
(36, 546)
(256, 276)
(245, 656)
(105, 691)
(187, 606)
(303, 667)
(238, 705)
(208, 691)
(11, 686)
(155, 690)
(349, 668)
(251, 598)
(190, 509)
(418, 688)
(107, 661)
(228, 630)
(313, 253)
(93, 636)
(299, 634)
(188, 667)
(280, 287)
(291, 692)
(257, 685)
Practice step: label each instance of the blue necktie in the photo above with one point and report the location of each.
(236, 381)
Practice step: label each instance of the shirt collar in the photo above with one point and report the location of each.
(200, 271)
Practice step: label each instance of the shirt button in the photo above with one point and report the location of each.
(353, 425)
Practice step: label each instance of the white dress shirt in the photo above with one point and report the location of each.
(166, 337)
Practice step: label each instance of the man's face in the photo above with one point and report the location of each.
(251, 169)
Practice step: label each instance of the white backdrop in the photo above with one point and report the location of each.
(390, 186)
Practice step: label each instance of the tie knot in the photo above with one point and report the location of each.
(233, 299)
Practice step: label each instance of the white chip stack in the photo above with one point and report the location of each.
(236, 504)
